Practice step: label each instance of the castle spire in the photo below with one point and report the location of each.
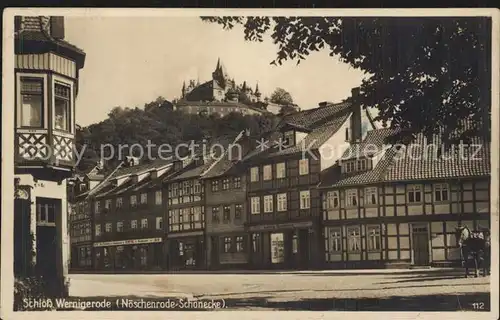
(183, 88)
(218, 64)
(257, 88)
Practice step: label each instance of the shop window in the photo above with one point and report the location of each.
(240, 244)
(256, 242)
(226, 213)
(227, 244)
(238, 211)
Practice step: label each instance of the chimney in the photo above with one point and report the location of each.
(135, 178)
(57, 27)
(153, 174)
(356, 116)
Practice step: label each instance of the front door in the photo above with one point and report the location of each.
(214, 256)
(304, 248)
(420, 242)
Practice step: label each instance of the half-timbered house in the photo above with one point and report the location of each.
(398, 206)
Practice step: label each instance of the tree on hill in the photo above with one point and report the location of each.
(281, 96)
(286, 109)
(422, 74)
(157, 125)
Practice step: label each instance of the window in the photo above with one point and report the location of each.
(281, 199)
(133, 224)
(173, 191)
(144, 256)
(353, 239)
(215, 185)
(303, 166)
(158, 197)
(62, 107)
(107, 204)
(280, 170)
(441, 192)
(197, 187)
(119, 226)
(352, 197)
(46, 213)
(332, 199)
(133, 200)
(362, 165)
(119, 202)
(374, 240)
(159, 223)
(267, 172)
(144, 223)
(237, 182)
(227, 244)
(268, 204)
(31, 102)
(97, 206)
(347, 134)
(215, 214)
(226, 213)
(240, 244)
(255, 205)
(97, 229)
(254, 174)
(109, 227)
(414, 193)
(334, 240)
(305, 200)
(289, 138)
(144, 198)
(350, 166)
(256, 242)
(238, 211)
(225, 184)
(370, 195)
(186, 187)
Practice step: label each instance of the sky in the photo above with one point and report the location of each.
(132, 61)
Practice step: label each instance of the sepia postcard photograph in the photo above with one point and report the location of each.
(198, 161)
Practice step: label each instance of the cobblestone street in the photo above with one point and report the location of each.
(410, 290)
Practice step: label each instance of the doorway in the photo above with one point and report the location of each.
(420, 244)
(303, 248)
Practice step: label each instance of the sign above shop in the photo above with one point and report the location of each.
(127, 242)
(288, 225)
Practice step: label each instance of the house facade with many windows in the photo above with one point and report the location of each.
(284, 205)
(400, 207)
(128, 215)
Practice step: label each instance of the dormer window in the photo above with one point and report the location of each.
(289, 138)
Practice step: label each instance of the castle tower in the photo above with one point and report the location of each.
(257, 92)
(183, 93)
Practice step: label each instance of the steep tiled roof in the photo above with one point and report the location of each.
(413, 164)
(332, 177)
(373, 142)
(158, 163)
(322, 123)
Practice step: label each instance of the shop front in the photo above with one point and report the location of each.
(285, 246)
(186, 252)
(129, 255)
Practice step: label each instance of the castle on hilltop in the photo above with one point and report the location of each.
(221, 88)
(221, 95)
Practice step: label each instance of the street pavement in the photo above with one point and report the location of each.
(341, 290)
